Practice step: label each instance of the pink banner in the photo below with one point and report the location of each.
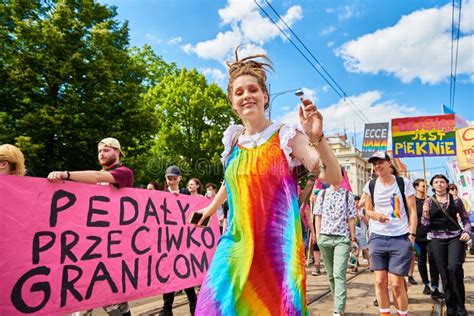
(71, 246)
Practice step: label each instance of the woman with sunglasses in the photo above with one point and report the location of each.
(448, 241)
(453, 190)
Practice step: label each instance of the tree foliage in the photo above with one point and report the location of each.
(68, 79)
(192, 116)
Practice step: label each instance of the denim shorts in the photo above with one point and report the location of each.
(390, 253)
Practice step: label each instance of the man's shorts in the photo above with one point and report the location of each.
(390, 253)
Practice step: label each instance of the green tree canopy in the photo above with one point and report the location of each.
(68, 79)
(192, 117)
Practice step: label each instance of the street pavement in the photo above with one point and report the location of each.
(360, 296)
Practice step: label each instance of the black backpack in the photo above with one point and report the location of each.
(401, 186)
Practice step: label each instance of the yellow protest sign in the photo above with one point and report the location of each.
(465, 148)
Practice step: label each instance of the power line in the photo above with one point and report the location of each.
(454, 55)
(341, 93)
(345, 97)
(452, 50)
(457, 53)
(355, 107)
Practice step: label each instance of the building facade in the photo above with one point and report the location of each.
(358, 170)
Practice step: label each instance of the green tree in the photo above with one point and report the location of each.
(192, 117)
(68, 79)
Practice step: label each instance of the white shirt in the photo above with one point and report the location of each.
(287, 132)
(334, 211)
(388, 201)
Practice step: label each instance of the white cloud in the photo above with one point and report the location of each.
(325, 88)
(330, 44)
(328, 30)
(214, 74)
(347, 12)
(175, 40)
(236, 10)
(251, 49)
(310, 94)
(153, 38)
(187, 48)
(418, 46)
(219, 47)
(246, 26)
(370, 103)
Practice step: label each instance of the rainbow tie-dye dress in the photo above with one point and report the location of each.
(258, 267)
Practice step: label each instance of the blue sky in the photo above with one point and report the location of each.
(391, 57)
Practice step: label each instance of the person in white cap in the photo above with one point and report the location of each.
(114, 173)
(391, 208)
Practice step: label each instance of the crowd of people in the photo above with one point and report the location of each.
(400, 221)
(259, 264)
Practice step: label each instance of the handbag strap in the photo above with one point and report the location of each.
(434, 200)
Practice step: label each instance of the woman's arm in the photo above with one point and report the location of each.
(209, 210)
(309, 156)
(312, 123)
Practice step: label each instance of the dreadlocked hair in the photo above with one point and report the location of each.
(248, 66)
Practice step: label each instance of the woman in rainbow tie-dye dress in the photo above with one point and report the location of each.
(258, 267)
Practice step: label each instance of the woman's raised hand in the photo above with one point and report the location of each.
(311, 120)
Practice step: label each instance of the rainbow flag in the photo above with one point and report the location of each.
(395, 202)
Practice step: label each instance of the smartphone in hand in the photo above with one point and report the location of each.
(194, 218)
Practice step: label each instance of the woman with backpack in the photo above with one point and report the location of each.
(448, 240)
(259, 265)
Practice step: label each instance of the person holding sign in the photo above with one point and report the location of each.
(12, 161)
(448, 241)
(259, 264)
(113, 173)
(391, 209)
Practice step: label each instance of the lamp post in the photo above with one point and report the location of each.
(273, 97)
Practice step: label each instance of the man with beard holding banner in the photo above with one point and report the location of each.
(113, 173)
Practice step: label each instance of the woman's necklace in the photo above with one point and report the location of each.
(255, 141)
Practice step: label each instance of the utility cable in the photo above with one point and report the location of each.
(457, 54)
(342, 92)
(452, 51)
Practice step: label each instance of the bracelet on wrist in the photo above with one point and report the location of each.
(68, 175)
(316, 143)
(411, 234)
